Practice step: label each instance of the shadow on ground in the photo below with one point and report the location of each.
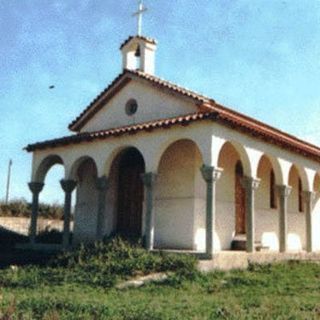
(11, 254)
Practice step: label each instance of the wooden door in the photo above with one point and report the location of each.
(130, 194)
(240, 200)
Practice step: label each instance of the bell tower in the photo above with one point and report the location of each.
(138, 52)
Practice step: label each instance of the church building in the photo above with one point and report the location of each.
(151, 159)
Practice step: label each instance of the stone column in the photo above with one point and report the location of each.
(284, 192)
(251, 185)
(211, 175)
(102, 184)
(308, 197)
(35, 188)
(67, 186)
(149, 182)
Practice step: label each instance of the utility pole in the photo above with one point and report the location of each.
(8, 181)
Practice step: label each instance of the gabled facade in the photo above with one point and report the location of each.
(149, 158)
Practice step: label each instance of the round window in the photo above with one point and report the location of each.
(131, 107)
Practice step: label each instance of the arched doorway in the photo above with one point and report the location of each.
(240, 200)
(180, 198)
(296, 211)
(316, 214)
(130, 193)
(49, 172)
(266, 204)
(231, 209)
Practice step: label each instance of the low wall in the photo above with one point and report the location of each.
(21, 225)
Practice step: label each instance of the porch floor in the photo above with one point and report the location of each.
(228, 260)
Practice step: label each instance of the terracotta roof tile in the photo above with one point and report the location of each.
(150, 40)
(131, 129)
(169, 85)
(218, 114)
(207, 109)
(265, 132)
(121, 81)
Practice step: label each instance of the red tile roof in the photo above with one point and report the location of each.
(147, 39)
(206, 109)
(118, 83)
(131, 129)
(265, 132)
(217, 114)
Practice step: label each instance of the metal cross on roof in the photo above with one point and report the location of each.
(142, 9)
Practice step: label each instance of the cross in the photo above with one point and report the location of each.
(142, 9)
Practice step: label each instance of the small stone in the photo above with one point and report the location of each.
(141, 281)
(14, 267)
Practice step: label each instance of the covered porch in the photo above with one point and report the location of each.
(198, 190)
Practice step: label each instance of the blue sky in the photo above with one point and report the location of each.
(261, 57)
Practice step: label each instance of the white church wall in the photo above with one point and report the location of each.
(152, 104)
(110, 215)
(200, 224)
(316, 214)
(225, 199)
(225, 225)
(266, 218)
(267, 228)
(174, 223)
(316, 224)
(174, 192)
(296, 231)
(85, 221)
(199, 204)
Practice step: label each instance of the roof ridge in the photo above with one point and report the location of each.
(148, 39)
(164, 81)
(266, 126)
(231, 115)
(142, 75)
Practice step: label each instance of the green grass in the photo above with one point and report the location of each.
(280, 291)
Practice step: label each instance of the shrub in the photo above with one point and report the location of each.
(100, 264)
(15, 208)
(9, 238)
(122, 257)
(51, 211)
(50, 236)
(21, 208)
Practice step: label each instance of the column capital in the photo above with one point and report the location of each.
(149, 179)
(68, 185)
(102, 183)
(36, 187)
(308, 196)
(250, 183)
(211, 174)
(284, 190)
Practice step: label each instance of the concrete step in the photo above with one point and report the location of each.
(229, 260)
(239, 243)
